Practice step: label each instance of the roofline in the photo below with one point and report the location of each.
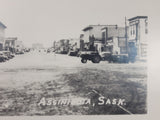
(11, 39)
(2, 24)
(137, 17)
(87, 28)
(110, 26)
(91, 27)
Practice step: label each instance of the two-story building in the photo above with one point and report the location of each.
(137, 41)
(2, 35)
(109, 38)
(114, 40)
(92, 37)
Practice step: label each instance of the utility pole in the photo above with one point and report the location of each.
(126, 34)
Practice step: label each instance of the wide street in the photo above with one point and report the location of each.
(27, 78)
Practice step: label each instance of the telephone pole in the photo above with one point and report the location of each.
(126, 35)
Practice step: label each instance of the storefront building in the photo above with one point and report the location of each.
(2, 35)
(137, 41)
(92, 37)
(113, 37)
(10, 44)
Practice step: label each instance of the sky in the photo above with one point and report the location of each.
(45, 21)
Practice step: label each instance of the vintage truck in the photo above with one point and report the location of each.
(96, 57)
(90, 55)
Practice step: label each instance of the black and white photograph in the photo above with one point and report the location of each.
(74, 57)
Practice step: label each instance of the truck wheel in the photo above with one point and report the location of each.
(84, 60)
(96, 59)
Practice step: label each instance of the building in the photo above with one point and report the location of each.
(64, 46)
(93, 31)
(81, 42)
(19, 47)
(61, 46)
(10, 44)
(137, 41)
(74, 44)
(2, 35)
(92, 37)
(110, 38)
(114, 39)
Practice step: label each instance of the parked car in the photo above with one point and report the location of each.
(90, 55)
(96, 57)
(3, 57)
(48, 50)
(8, 54)
(73, 52)
(19, 52)
(12, 55)
(105, 55)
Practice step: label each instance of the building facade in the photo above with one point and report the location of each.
(10, 44)
(137, 41)
(19, 47)
(114, 40)
(74, 44)
(2, 35)
(92, 37)
(81, 42)
(61, 46)
(92, 31)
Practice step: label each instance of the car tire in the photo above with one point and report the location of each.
(96, 59)
(83, 60)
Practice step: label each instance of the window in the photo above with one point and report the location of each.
(103, 37)
(132, 30)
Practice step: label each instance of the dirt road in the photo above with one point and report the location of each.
(38, 83)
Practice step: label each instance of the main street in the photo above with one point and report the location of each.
(27, 78)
